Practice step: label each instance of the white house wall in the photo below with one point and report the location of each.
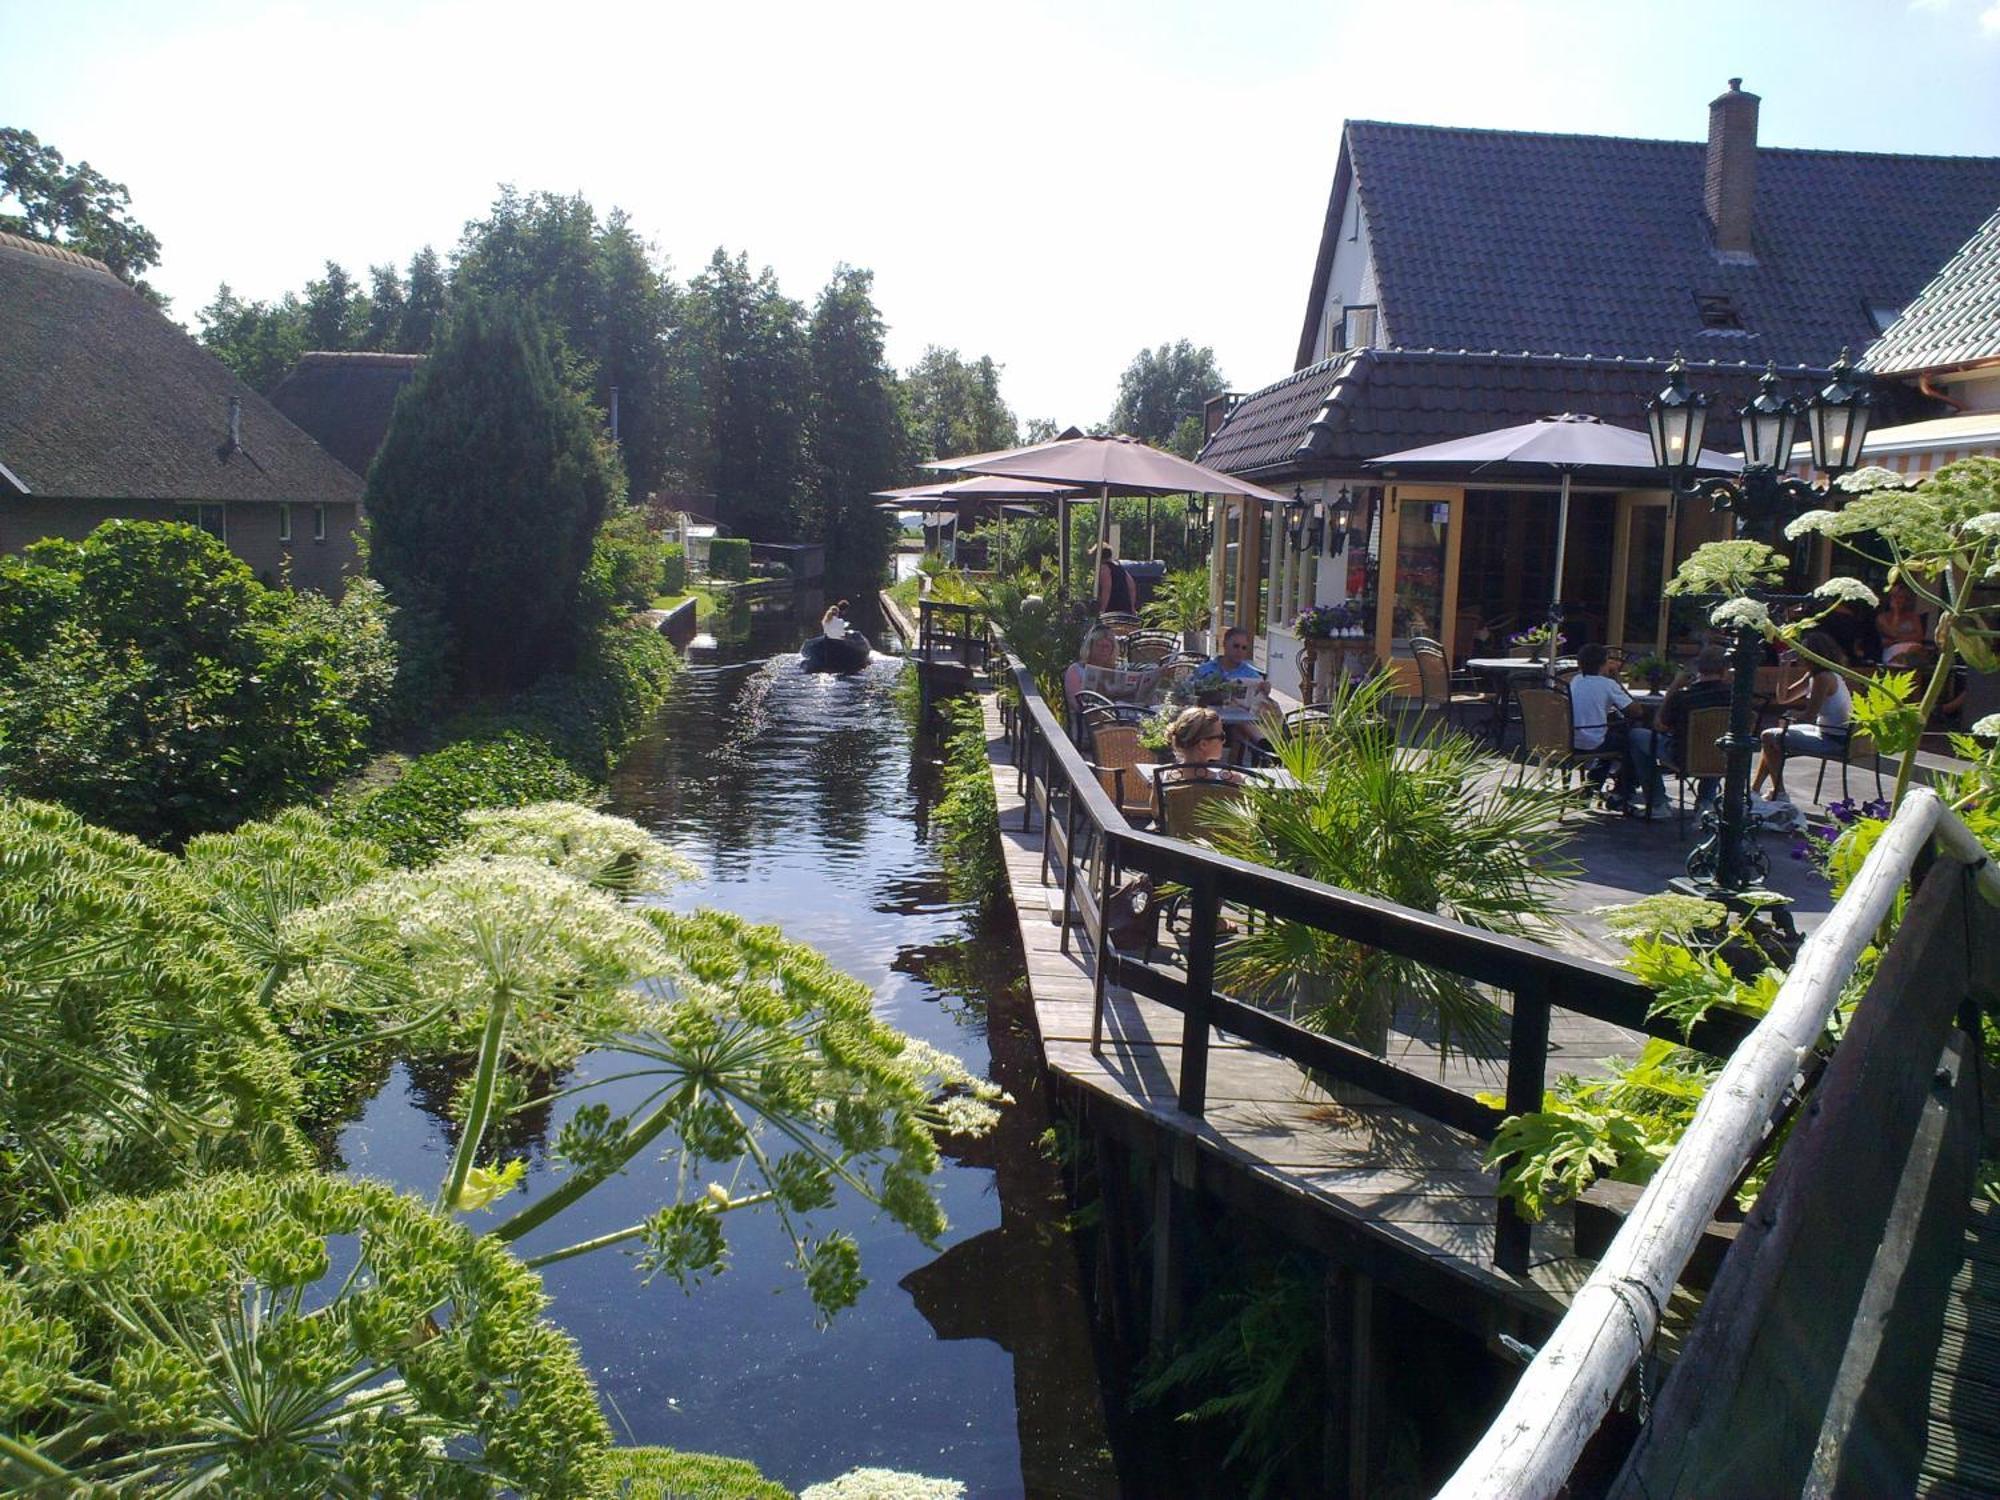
(1351, 282)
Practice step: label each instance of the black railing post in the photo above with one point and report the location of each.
(1204, 911)
(1527, 1078)
(1101, 946)
(1069, 866)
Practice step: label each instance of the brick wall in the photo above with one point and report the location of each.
(251, 531)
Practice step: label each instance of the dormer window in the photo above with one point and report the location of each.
(1718, 311)
(1357, 328)
(1882, 314)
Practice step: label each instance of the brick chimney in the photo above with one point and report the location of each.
(1730, 191)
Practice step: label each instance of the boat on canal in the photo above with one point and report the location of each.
(825, 653)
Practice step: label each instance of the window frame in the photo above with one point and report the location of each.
(319, 522)
(284, 520)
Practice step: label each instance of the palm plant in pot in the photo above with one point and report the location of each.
(1180, 602)
(1424, 825)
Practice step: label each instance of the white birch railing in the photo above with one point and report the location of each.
(1529, 1451)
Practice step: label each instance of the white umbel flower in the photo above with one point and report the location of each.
(1740, 614)
(1987, 728)
(1847, 591)
(1813, 521)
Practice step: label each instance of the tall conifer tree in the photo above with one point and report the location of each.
(855, 439)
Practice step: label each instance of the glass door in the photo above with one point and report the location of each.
(1419, 595)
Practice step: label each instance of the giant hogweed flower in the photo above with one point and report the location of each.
(467, 929)
(613, 854)
(299, 1336)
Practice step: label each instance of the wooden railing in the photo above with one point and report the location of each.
(957, 628)
(1790, 1357)
(1088, 846)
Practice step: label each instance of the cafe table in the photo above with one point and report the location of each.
(1507, 673)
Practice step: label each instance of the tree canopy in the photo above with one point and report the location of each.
(487, 495)
(856, 442)
(955, 405)
(1160, 395)
(77, 207)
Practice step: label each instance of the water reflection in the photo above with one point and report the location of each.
(795, 794)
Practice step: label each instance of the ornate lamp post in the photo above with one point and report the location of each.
(1728, 864)
(1296, 511)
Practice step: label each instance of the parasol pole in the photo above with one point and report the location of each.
(1062, 540)
(1556, 590)
(1152, 547)
(1103, 517)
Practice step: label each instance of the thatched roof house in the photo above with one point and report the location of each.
(110, 409)
(345, 400)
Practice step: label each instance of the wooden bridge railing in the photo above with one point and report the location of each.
(1088, 845)
(957, 628)
(1800, 1372)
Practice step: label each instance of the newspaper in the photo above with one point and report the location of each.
(1122, 684)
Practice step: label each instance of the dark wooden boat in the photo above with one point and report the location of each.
(822, 653)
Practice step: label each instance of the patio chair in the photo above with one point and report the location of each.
(1174, 674)
(1700, 754)
(1181, 796)
(1115, 754)
(1145, 648)
(1120, 623)
(1859, 744)
(1441, 689)
(1548, 733)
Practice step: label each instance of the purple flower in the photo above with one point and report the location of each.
(1876, 807)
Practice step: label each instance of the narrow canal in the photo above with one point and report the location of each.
(802, 799)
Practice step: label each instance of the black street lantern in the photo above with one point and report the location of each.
(1837, 420)
(1295, 518)
(1676, 420)
(1767, 425)
(1316, 527)
(1727, 864)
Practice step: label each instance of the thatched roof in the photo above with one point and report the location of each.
(345, 400)
(102, 397)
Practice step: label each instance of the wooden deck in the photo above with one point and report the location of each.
(1405, 1193)
(1962, 1455)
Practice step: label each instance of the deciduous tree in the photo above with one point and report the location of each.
(1161, 389)
(955, 405)
(74, 206)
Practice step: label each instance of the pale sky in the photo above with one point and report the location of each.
(1057, 185)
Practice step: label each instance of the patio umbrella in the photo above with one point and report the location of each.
(964, 494)
(1568, 444)
(1110, 465)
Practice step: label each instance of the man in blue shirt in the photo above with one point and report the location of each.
(1234, 664)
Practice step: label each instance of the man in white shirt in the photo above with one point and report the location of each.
(1600, 711)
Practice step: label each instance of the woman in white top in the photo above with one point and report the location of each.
(1821, 694)
(833, 624)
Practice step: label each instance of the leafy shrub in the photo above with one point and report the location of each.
(423, 812)
(729, 557)
(592, 714)
(966, 821)
(148, 681)
(1423, 825)
(624, 571)
(673, 568)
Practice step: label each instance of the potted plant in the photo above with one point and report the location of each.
(1180, 602)
(1654, 672)
(1537, 643)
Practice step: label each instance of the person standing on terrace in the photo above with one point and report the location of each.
(1116, 591)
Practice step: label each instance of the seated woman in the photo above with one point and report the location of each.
(1196, 737)
(1099, 649)
(1901, 627)
(1818, 694)
(833, 624)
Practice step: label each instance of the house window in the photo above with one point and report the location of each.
(284, 523)
(319, 523)
(212, 519)
(1357, 328)
(1882, 314)
(1718, 310)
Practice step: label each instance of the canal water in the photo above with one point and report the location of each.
(802, 799)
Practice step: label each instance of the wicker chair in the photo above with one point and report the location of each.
(1441, 690)
(1174, 674)
(1144, 648)
(1115, 754)
(1700, 754)
(1119, 622)
(1548, 732)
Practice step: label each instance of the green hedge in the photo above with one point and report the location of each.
(423, 812)
(673, 568)
(729, 557)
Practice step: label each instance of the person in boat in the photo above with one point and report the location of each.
(1099, 649)
(1117, 593)
(833, 624)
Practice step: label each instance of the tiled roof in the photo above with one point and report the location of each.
(1368, 402)
(1599, 245)
(345, 399)
(102, 397)
(1953, 321)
